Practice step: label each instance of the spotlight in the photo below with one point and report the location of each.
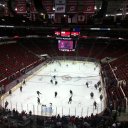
(15, 9)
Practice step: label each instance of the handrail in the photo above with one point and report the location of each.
(124, 95)
(113, 72)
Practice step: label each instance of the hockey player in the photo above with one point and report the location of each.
(98, 83)
(87, 84)
(56, 82)
(24, 82)
(70, 100)
(71, 93)
(101, 97)
(51, 81)
(55, 94)
(95, 86)
(100, 89)
(20, 88)
(38, 100)
(54, 77)
(92, 94)
(10, 92)
(38, 93)
(43, 105)
(95, 104)
(6, 104)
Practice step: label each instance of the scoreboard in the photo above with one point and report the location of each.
(67, 39)
(67, 34)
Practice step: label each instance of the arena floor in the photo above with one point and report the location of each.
(70, 75)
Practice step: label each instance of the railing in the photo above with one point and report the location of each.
(79, 58)
(55, 110)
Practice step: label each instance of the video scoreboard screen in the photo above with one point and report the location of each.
(67, 39)
(65, 34)
(66, 45)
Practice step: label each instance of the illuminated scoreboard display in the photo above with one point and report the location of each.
(65, 34)
(66, 45)
(67, 40)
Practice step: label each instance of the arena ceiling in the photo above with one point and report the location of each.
(115, 8)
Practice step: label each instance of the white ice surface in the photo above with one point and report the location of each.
(70, 75)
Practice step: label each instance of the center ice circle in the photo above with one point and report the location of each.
(66, 77)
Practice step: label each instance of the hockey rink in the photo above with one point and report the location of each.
(70, 75)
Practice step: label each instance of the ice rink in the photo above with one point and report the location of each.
(70, 75)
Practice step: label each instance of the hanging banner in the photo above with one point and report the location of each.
(21, 8)
(71, 9)
(48, 4)
(88, 9)
(49, 8)
(89, 6)
(59, 8)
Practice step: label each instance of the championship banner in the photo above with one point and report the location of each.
(48, 4)
(59, 8)
(89, 6)
(71, 9)
(49, 8)
(21, 8)
(88, 9)
(60, 2)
